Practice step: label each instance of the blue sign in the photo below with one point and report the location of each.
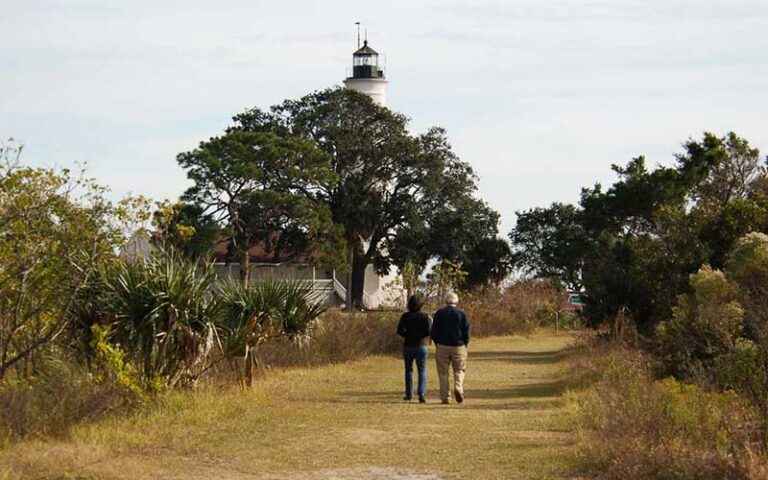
(575, 299)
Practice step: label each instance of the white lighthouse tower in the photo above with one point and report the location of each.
(367, 76)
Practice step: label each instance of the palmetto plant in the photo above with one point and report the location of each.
(252, 314)
(163, 310)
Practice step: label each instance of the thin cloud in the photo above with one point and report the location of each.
(540, 97)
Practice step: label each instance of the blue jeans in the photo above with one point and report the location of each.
(420, 355)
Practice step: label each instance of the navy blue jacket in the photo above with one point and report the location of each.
(450, 326)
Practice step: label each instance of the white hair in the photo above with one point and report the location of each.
(451, 299)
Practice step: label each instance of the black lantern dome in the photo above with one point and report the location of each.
(365, 63)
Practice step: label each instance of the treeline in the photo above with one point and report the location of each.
(673, 260)
(632, 246)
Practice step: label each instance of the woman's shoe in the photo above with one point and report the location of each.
(422, 399)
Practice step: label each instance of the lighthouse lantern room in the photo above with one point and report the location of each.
(367, 76)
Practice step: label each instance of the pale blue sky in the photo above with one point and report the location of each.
(540, 97)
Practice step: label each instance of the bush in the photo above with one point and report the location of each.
(496, 313)
(718, 336)
(55, 231)
(161, 312)
(633, 427)
(517, 309)
(705, 323)
(251, 315)
(337, 337)
(61, 394)
(745, 369)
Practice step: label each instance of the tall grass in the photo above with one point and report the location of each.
(340, 336)
(633, 427)
(519, 308)
(61, 394)
(337, 337)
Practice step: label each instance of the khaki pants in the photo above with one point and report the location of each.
(456, 357)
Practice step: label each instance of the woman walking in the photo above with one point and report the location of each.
(414, 328)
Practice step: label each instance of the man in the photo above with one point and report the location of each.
(450, 332)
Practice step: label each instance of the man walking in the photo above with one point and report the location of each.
(450, 332)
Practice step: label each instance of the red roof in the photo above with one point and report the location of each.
(260, 253)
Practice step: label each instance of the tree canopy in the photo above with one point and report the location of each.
(56, 231)
(399, 197)
(631, 247)
(268, 189)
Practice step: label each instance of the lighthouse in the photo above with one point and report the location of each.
(367, 76)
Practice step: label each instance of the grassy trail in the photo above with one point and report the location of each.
(336, 422)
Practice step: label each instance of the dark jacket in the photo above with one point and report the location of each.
(414, 327)
(450, 327)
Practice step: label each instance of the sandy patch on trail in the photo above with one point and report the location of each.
(372, 473)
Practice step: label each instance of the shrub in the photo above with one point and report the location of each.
(250, 315)
(748, 269)
(519, 308)
(109, 364)
(745, 369)
(55, 230)
(705, 323)
(337, 337)
(633, 427)
(718, 335)
(496, 313)
(161, 312)
(61, 394)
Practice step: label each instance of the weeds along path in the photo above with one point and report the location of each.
(336, 422)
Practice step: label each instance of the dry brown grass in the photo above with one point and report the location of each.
(343, 336)
(61, 395)
(633, 427)
(69, 395)
(519, 308)
(322, 422)
(339, 337)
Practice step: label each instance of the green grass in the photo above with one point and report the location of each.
(337, 421)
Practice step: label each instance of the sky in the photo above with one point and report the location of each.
(539, 97)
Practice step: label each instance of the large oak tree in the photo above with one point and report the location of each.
(396, 191)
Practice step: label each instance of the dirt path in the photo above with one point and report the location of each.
(336, 422)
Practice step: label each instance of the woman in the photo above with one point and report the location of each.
(414, 328)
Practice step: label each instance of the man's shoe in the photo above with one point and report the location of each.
(445, 402)
(459, 396)
(407, 399)
(422, 399)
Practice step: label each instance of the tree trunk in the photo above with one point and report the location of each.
(245, 273)
(349, 300)
(357, 278)
(248, 365)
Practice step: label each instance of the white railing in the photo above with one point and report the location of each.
(329, 287)
(341, 291)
